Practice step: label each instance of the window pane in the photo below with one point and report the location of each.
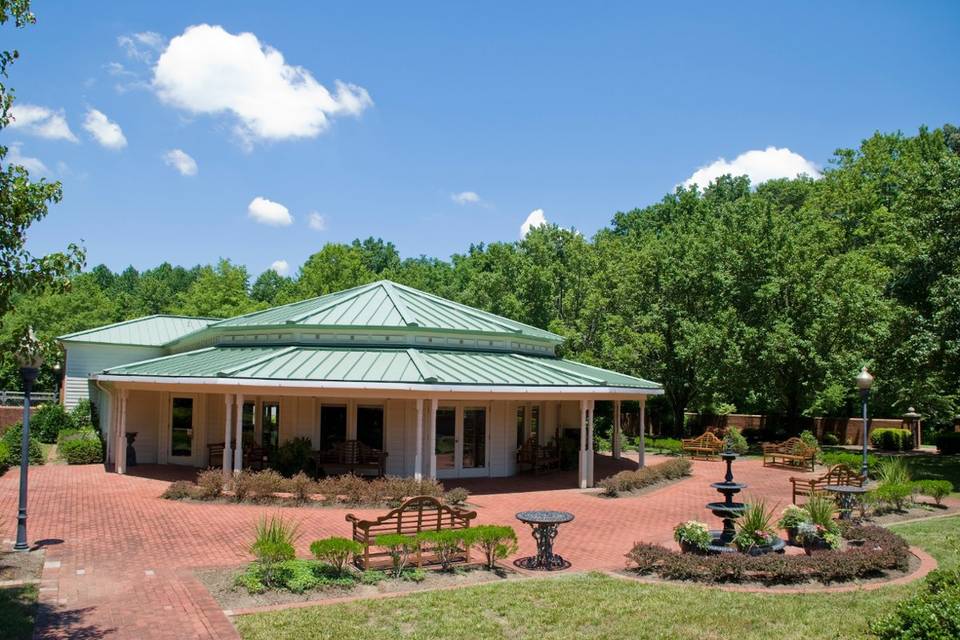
(521, 425)
(370, 426)
(333, 426)
(446, 437)
(181, 437)
(474, 438)
(270, 425)
(249, 424)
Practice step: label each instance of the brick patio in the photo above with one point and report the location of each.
(119, 559)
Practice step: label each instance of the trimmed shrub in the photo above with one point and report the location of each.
(735, 441)
(892, 439)
(295, 456)
(80, 446)
(209, 484)
(495, 541)
(627, 481)
(399, 547)
(831, 439)
(933, 613)
(949, 443)
(457, 496)
(301, 486)
(49, 420)
(11, 437)
(666, 445)
(263, 484)
(895, 495)
(936, 489)
(446, 544)
(851, 459)
(336, 552)
(179, 490)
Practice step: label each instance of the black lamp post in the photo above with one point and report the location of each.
(864, 382)
(29, 359)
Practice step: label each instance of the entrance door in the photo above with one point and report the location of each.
(461, 441)
(181, 431)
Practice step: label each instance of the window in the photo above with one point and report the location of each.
(535, 422)
(181, 424)
(446, 438)
(370, 426)
(270, 425)
(521, 426)
(333, 425)
(249, 423)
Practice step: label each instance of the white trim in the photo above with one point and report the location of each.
(418, 457)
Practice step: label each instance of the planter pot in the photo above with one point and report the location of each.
(687, 547)
(818, 544)
(792, 536)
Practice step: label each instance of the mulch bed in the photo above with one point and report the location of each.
(219, 582)
(19, 566)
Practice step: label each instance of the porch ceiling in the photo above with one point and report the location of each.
(379, 366)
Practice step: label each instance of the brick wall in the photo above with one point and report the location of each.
(9, 415)
(847, 430)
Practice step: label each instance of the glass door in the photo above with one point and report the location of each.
(181, 431)
(446, 442)
(461, 442)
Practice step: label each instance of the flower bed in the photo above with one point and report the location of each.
(880, 550)
(627, 481)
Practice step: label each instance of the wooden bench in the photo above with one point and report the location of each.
(253, 457)
(536, 456)
(840, 475)
(351, 456)
(414, 516)
(792, 452)
(704, 446)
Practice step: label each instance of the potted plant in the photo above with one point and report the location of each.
(791, 518)
(755, 535)
(692, 536)
(820, 531)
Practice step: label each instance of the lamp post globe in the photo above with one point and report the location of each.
(29, 358)
(864, 382)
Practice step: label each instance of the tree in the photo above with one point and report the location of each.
(218, 292)
(24, 201)
(272, 288)
(334, 268)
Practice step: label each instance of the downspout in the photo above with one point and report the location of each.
(109, 436)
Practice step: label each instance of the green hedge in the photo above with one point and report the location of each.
(49, 420)
(11, 437)
(80, 446)
(4, 457)
(949, 443)
(892, 439)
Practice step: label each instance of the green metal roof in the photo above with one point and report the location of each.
(386, 304)
(379, 365)
(151, 331)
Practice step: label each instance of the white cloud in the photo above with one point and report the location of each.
(759, 166)
(317, 222)
(181, 161)
(208, 70)
(143, 46)
(32, 165)
(535, 219)
(281, 267)
(41, 121)
(127, 80)
(107, 133)
(465, 197)
(268, 212)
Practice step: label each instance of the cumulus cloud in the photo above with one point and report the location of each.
(143, 46)
(181, 161)
(107, 133)
(316, 221)
(207, 70)
(15, 157)
(758, 165)
(41, 121)
(269, 212)
(281, 267)
(465, 197)
(535, 219)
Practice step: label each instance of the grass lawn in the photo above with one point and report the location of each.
(17, 612)
(599, 606)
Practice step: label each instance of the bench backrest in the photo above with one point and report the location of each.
(842, 475)
(705, 440)
(422, 513)
(792, 446)
(352, 452)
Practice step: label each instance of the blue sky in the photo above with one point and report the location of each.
(577, 110)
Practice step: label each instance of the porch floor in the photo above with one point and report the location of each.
(119, 559)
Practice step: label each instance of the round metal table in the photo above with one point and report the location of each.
(847, 497)
(544, 526)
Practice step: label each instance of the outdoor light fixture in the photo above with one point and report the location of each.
(29, 358)
(864, 382)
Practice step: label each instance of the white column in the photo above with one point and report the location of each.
(616, 430)
(121, 457)
(582, 467)
(238, 448)
(227, 427)
(590, 446)
(643, 431)
(432, 437)
(418, 458)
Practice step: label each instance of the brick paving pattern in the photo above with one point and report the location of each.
(119, 559)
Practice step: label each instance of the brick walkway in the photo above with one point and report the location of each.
(120, 559)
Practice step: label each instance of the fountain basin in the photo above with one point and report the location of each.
(719, 546)
(733, 487)
(735, 509)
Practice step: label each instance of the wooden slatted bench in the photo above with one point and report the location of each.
(840, 475)
(536, 456)
(351, 456)
(791, 452)
(253, 457)
(414, 516)
(704, 446)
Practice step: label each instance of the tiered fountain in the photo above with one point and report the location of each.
(729, 511)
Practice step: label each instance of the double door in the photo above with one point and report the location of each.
(462, 441)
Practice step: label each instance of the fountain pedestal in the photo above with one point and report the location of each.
(728, 510)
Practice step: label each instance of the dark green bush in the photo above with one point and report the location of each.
(294, 456)
(892, 439)
(735, 441)
(4, 457)
(931, 614)
(11, 437)
(85, 415)
(949, 443)
(80, 446)
(296, 575)
(666, 445)
(49, 420)
(830, 439)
